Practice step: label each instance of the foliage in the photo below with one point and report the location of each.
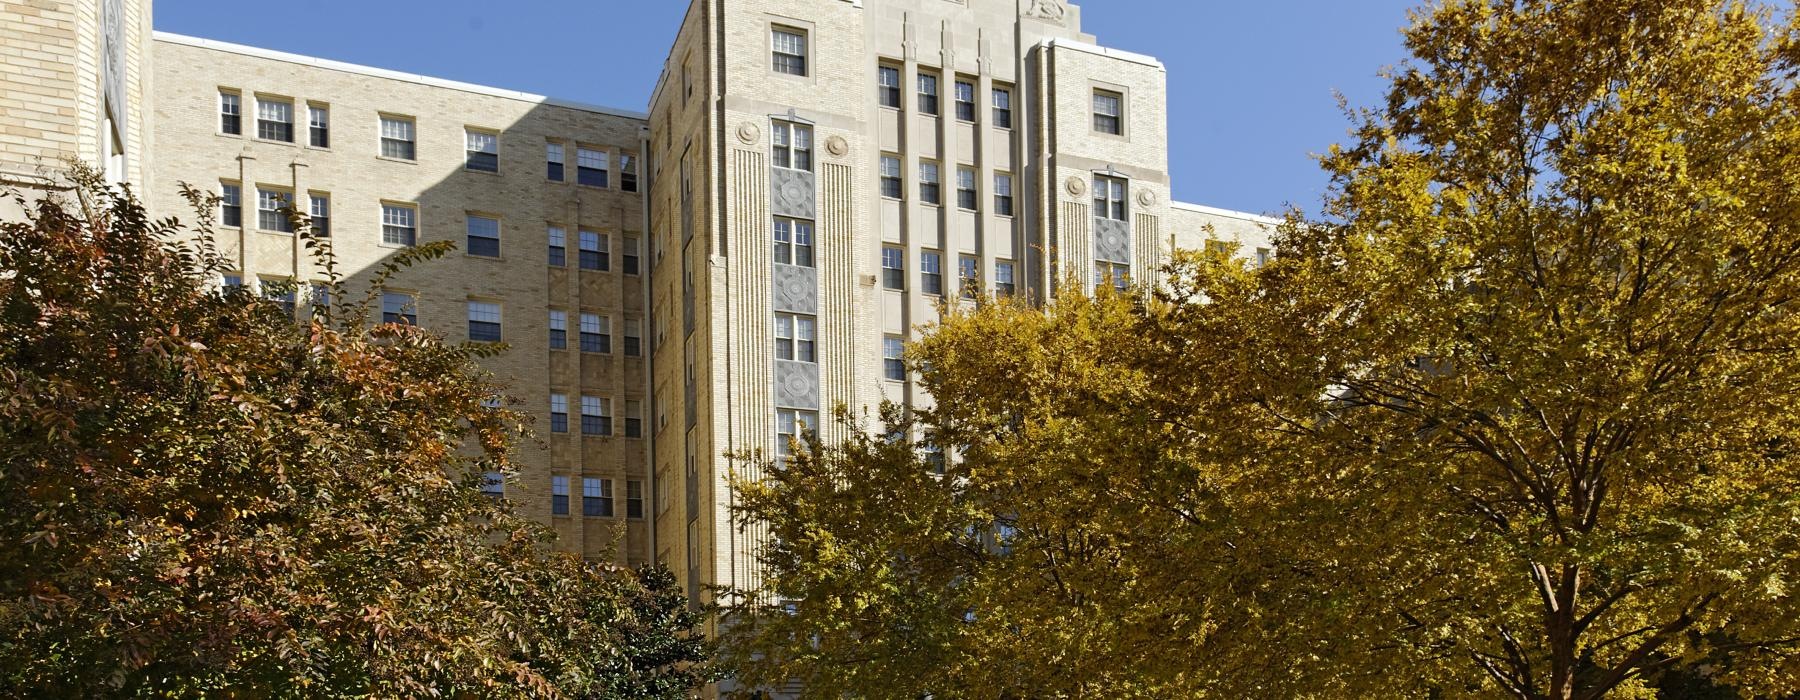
(1516, 417)
(200, 496)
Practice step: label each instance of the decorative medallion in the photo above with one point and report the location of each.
(1076, 186)
(748, 133)
(836, 145)
(1146, 197)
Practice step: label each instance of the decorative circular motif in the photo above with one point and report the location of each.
(837, 146)
(795, 290)
(748, 133)
(1146, 197)
(1114, 241)
(797, 386)
(1076, 186)
(794, 193)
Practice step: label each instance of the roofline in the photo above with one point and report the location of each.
(373, 72)
(1215, 211)
(1066, 43)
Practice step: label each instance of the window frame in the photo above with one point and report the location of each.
(1005, 285)
(968, 198)
(231, 204)
(601, 425)
(931, 182)
(559, 420)
(471, 236)
(791, 144)
(393, 147)
(1002, 113)
(599, 254)
(893, 185)
(893, 276)
(893, 358)
(234, 117)
(411, 229)
(931, 272)
(599, 339)
(785, 62)
(284, 196)
(488, 327)
(1111, 197)
(556, 246)
(589, 176)
(1109, 124)
(596, 497)
(559, 495)
(929, 87)
(481, 150)
(318, 210)
(397, 313)
(555, 163)
(965, 108)
(796, 337)
(279, 128)
(888, 95)
(558, 326)
(1003, 196)
(968, 275)
(318, 125)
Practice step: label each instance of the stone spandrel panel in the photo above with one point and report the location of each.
(796, 289)
(796, 385)
(793, 193)
(1112, 240)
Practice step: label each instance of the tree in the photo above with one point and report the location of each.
(1514, 417)
(200, 496)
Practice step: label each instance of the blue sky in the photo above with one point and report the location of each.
(1250, 82)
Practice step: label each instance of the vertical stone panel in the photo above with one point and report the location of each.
(838, 244)
(1075, 256)
(1147, 237)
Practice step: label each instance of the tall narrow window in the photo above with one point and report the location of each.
(789, 50)
(231, 205)
(792, 145)
(559, 246)
(318, 126)
(887, 85)
(272, 210)
(630, 245)
(931, 272)
(397, 138)
(931, 187)
(484, 322)
(893, 268)
(553, 160)
(559, 329)
(634, 418)
(634, 499)
(793, 242)
(559, 413)
(231, 113)
(1003, 194)
(596, 416)
(399, 225)
(634, 337)
(483, 151)
(1109, 198)
(596, 497)
(966, 197)
(399, 307)
(596, 333)
(893, 362)
(890, 178)
(968, 275)
(1263, 256)
(319, 207)
(275, 119)
(1109, 112)
(1003, 278)
(559, 495)
(484, 236)
(928, 93)
(796, 337)
(965, 101)
(594, 252)
(793, 426)
(628, 175)
(590, 167)
(1003, 111)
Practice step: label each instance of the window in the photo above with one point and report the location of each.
(1109, 112)
(596, 333)
(1003, 278)
(792, 144)
(790, 50)
(483, 151)
(630, 244)
(968, 275)
(634, 418)
(596, 497)
(893, 358)
(590, 167)
(484, 236)
(794, 242)
(231, 205)
(397, 138)
(887, 85)
(493, 485)
(890, 178)
(559, 241)
(628, 172)
(596, 416)
(931, 188)
(893, 268)
(282, 292)
(270, 214)
(1003, 194)
(790, 426)
(559, 495)
(231, 113)
(634, 499)
(559, 413)
(318, 123)
(965, 101)
(634, 337)
(931, 271)
(1262, 257)
(399, 225)
(321, 298)
(796, 338)
(553, 158)
(232, 282)
(399, 307)
(484, 322)
(319, 207)
(928, 93)
(1118, 273)
(1109, 198)
(595, 253)
(1003, 112)
(274, 119)
(965, 188)
(1218, 247)
(559, 330)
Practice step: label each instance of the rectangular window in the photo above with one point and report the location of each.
(484, 322)
(399, 225)
(559, 494)
(1003, 111)
(493, 485)
(1263, 255)
(282, 292)
(1118, 273)
(483, 151)
(274, 119)
(931, 187)
(968, 275)
(232, 282)
(792, 426)
(893, 358)
(270, 206)
(793, 242)
(319, 209)
(634, 418)
(966, 196)
(1003, 194)
(796, 337)
(484, 236)
(634, 337)
(397, 138)
(231, 113)
(321, 298)
(1109, 198)
(1109, 112)
(630, 245)
(931, 271)
(965, 101)
(893, 268)
(318, 125)
(553, 158)
(590, 167)
(792, 145)
(634, 500)
(559, 413)
(559, 246)
(596, 497)
(595, 251)
(887, 86)
(890, 178)
(928, 93)
(231, 205)
(1003, 278)
(628, 176)
(399, 307)
(596, 333)
(596, 416)
(790, 50)
(559, 330)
